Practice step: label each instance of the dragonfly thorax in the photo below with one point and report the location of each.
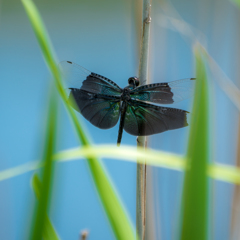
(125, 95)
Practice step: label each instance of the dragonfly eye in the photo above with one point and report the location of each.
(133, 81)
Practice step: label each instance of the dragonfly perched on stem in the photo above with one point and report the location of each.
(102, 102)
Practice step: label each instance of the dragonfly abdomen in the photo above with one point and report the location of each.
(121, 125)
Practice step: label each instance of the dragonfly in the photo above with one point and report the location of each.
(102, 102)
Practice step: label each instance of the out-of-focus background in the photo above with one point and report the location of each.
(103, 36)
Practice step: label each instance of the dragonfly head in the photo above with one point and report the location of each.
(133, 81)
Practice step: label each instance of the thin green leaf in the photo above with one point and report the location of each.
(19, 170)
(117, 216)
(48, 232)
(49, 57)
(39, 221)
(152, 157)
(224, 173)
(194, 207)
(162, 159)
(155, 158)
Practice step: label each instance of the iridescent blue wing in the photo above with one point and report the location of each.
(165, 93)
(101, 110)
(78, 77)
(143, 119)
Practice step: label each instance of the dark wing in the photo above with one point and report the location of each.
(165, 93)
(144, 119)
(102, 111)
(78, 77)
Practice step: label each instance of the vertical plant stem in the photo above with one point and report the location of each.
(141, 141)
(235, 221)
(235, 216)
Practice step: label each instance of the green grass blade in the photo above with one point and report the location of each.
(127, 153)
(44, 190)
(48, 232)
(19, 170)
(49, 57)
(224, 173)
(155, 158)
(114, 209)
(194, 207)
